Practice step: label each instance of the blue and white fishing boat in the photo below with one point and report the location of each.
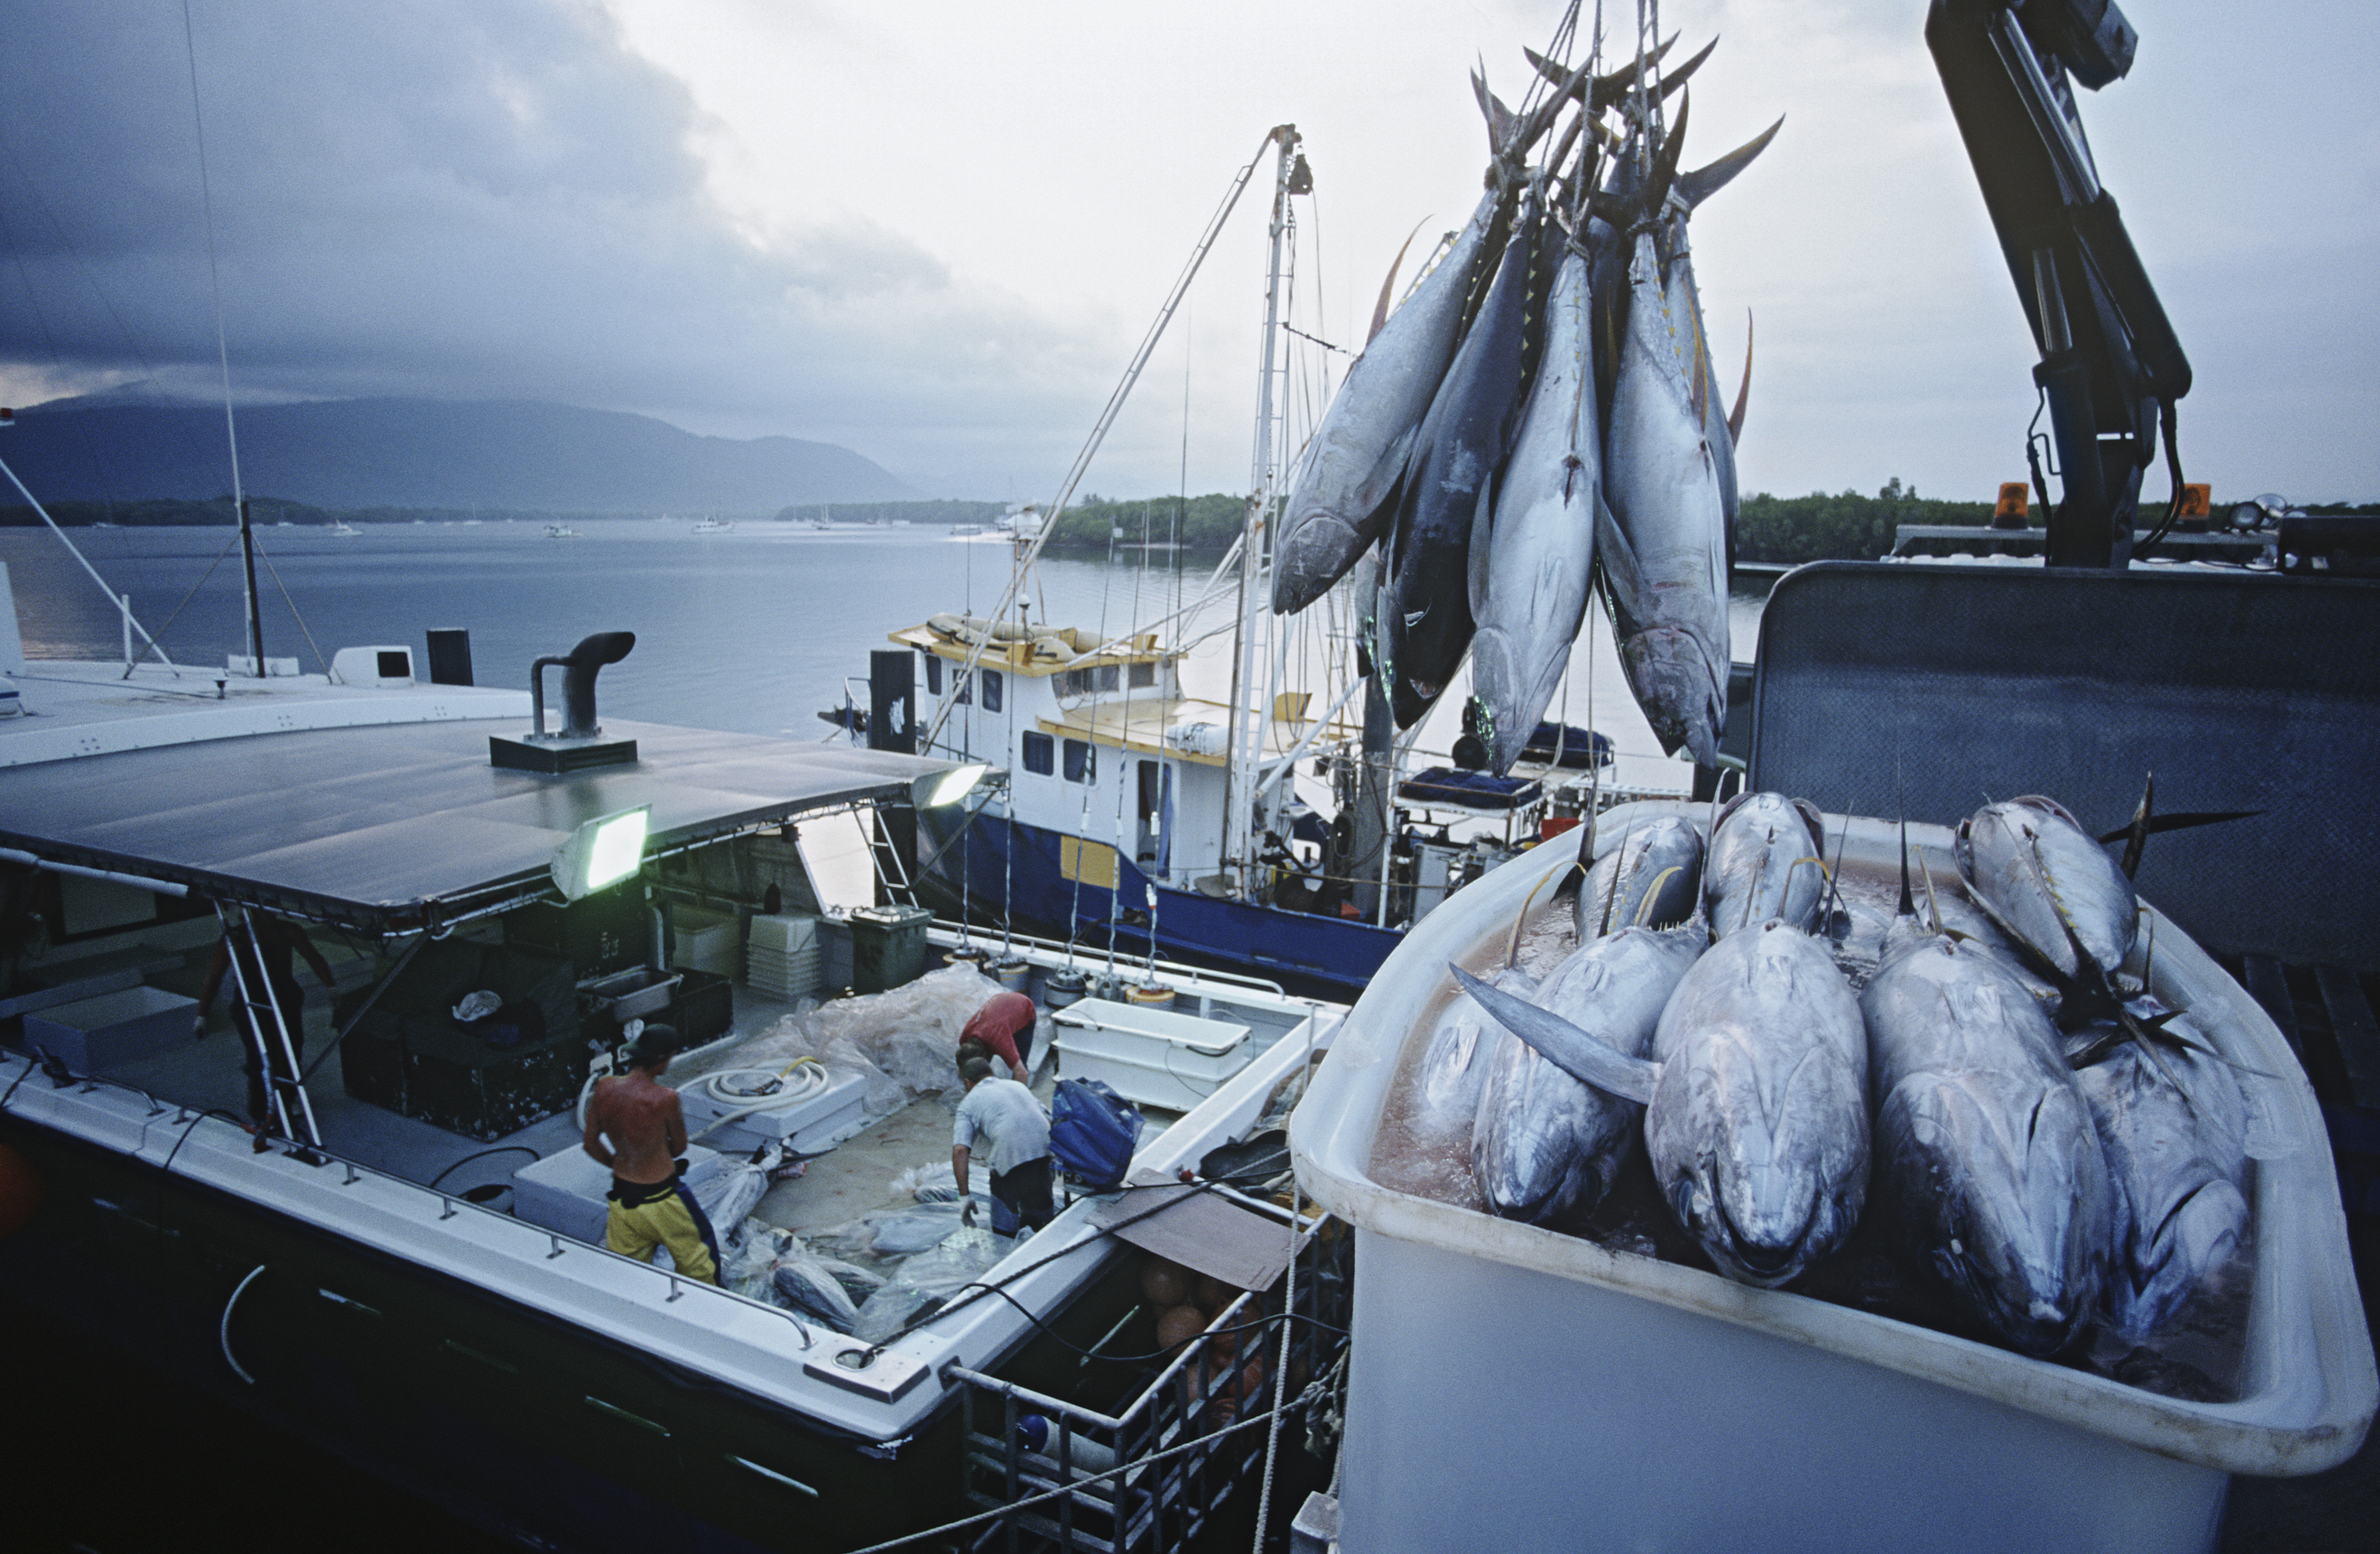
(1278, 827)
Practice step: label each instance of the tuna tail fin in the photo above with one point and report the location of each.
(1744, 391)
(1501, 126)
(1565, 1046)
(1703, 182)
(1388, 288)
(1602, 93)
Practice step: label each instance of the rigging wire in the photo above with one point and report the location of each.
(214, 274)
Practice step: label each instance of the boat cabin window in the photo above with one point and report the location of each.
(1142, 677)
(1080, 767)
(992, 687)
(960, 693)
(933, 675)
(1040, 754)
(1082, 682)
(1148, 789)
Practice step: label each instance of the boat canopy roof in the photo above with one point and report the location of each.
(395, 826)
(1038, 652)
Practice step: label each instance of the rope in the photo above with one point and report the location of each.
(167, 625)
(293, 615)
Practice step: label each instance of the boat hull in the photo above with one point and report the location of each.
(498, 1412)
(1031, 868)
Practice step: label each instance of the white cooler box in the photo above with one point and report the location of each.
(807, 1126)
(97, 1033)
(565, 1191)
(1154, 1057)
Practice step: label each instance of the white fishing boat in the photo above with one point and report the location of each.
(713, 525)
(561, 531)
(415, 1233)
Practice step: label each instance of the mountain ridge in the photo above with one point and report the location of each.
(524, 455)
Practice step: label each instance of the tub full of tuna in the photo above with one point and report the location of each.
(1779, 1178)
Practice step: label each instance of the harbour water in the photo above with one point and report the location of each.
(753, 629)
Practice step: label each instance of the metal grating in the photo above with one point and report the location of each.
(1885, 690)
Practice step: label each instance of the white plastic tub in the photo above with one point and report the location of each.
(1153, 1057)
(92, 1034)
(1516, 1388)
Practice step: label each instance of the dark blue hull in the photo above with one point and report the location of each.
(1337, 956)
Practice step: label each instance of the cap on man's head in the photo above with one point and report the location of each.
(654, 1043)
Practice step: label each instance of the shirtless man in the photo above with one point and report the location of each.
(646, 1130)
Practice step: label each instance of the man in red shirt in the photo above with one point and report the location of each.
(1003, 1027)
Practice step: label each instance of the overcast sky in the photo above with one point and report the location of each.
(933, 232)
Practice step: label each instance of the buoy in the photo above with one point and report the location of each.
(21, 1191)
(1164, 1282)
(1064, 987)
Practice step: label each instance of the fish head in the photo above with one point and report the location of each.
(1683, 696)
(2002, 1189)
(1766, 1165)
(1313, 555)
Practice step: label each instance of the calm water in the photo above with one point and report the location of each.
(753, 630)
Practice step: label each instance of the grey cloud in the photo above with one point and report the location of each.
(467, 198)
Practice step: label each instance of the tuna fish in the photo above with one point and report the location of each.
(2033, 867)
(1755, 1098)
(1986, 1162)
(1347, 488)
(1765, 861)
(1426, 625)
(2176, 1140)
(1543, 1140)
(1669, 461)
(1534, 560)
(1454, 1065)
(1652, 880)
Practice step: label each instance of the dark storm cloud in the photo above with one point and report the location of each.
(457, 198)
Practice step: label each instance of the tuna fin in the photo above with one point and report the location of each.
(1703, 182)
(1500, 123)
(2183, 819)
(1744, 391)
(2138, 840)
(1907, 901)
(1602, 93)
(1565, 1046)
(1476, 563)
(1621, 575)
(1388, 288)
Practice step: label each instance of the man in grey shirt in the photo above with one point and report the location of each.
(1001, 1118)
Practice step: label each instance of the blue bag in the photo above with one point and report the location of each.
(1092, 1132)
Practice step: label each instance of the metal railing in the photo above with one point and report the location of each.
(1151, 1476)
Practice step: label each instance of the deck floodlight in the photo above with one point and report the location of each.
(601, 851)
(948, 787)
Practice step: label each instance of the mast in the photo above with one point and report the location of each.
(1248, 722)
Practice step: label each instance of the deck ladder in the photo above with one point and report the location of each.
(266, 1026)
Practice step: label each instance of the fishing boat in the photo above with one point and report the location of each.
(1277, 826)
(713, 526)
(404, 1259)
(560, 531)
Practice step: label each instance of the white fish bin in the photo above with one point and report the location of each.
(1520, 1387)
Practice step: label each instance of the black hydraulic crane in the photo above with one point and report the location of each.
(2110, 367)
